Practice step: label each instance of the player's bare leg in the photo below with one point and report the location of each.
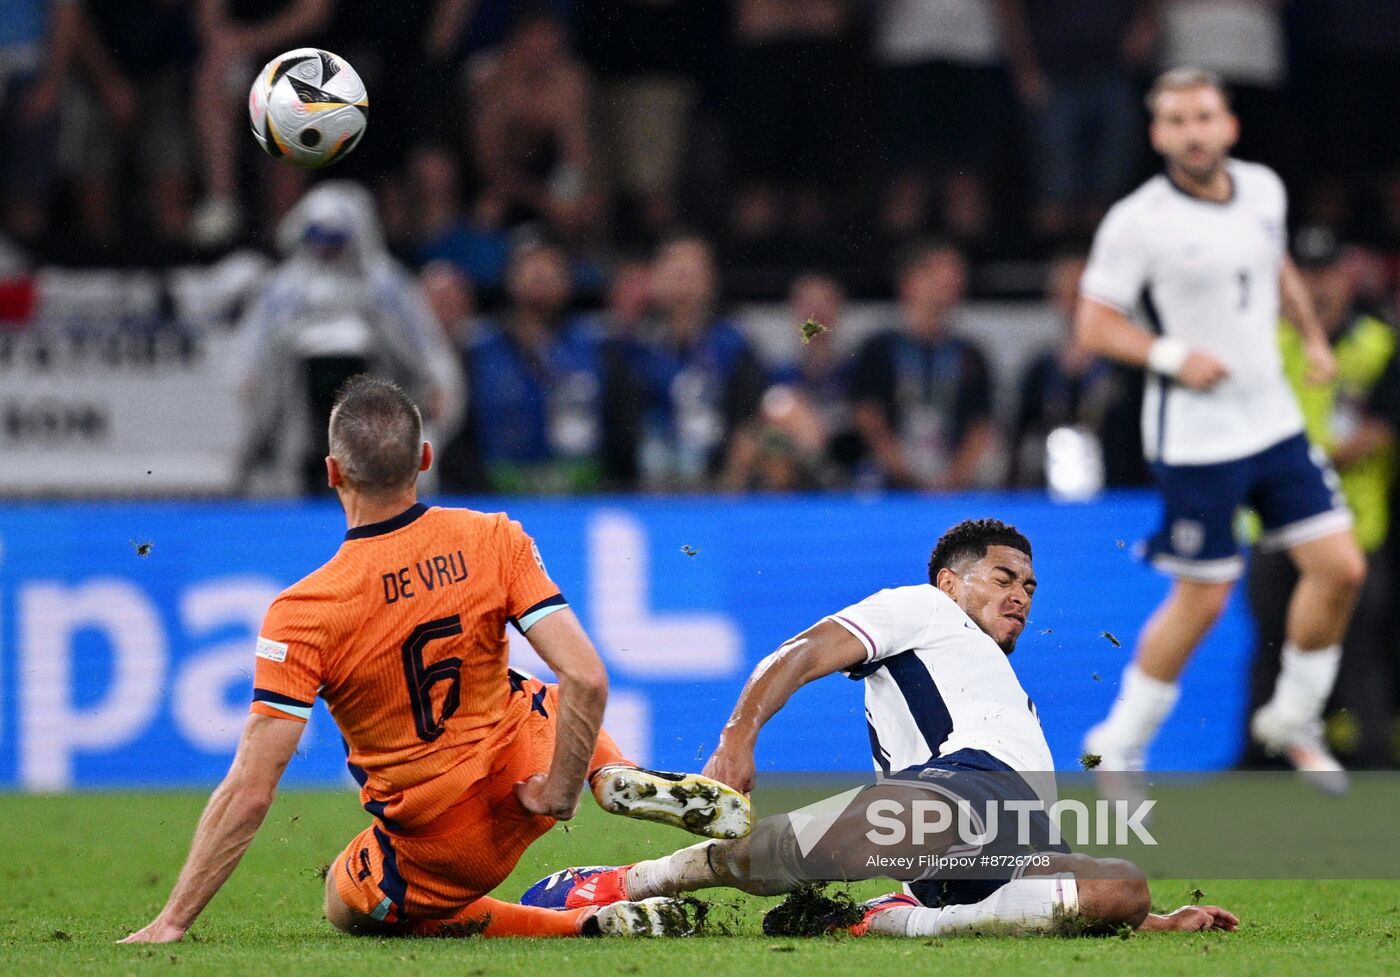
(1331, 571)
(707, 865)
(1149, 686)
(1083, 895)
(688, 801)
(1074, 893)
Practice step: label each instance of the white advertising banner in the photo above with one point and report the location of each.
(118, 416)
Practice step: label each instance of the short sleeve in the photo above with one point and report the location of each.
(1117, 269)
(889, 622)
(531, 595)
(287, 664)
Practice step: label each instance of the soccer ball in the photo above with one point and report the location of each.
(308, 107)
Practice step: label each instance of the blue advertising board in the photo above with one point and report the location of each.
(119, 669)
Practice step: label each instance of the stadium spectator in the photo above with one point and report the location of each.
(1069, 387)
(922, 398)
(38, 44)
(700, 377)
(137, 56)
(945, 96)
(645, 54)
(452, 297)
(790, 77)
(802, 435)
(821, 373)
(1354, 419)
(338, 305)
(1073, 63)
(628, 299)
(236, 38)
(530, 130)
(406, 54)
(437, 227)
(549, 397)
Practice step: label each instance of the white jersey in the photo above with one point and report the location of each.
(1207, 274)
(935, 684)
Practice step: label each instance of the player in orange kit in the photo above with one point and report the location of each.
(462, 760)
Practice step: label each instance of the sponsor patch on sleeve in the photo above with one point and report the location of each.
(273, 651)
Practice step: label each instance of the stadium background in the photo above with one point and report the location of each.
(123, 419)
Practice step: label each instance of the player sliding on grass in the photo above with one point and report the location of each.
(462, 761)
(944, 707)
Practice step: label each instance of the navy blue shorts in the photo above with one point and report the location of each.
(979, 777)
(1291, 486)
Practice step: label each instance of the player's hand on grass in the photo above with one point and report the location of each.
(1201, 371)
(733, 766)
(539, 796)
(157, 931)
(1192, 919)
(1320, 366)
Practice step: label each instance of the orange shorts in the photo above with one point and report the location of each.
(438, 869)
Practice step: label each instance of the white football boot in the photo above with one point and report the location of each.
(647, 917)
(1303, 746)
(1119, 773)
(688, 801)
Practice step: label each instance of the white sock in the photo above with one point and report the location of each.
(1143, 703)
(1020, 906)
(677, 872)
(1304, 682)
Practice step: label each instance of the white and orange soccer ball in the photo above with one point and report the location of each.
(308, 107)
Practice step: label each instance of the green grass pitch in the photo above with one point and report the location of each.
(80, 871)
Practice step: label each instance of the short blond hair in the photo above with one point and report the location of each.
(1184, 79)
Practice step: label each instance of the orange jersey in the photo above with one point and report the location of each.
(402, 634)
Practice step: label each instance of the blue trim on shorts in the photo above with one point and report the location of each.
(393, 884)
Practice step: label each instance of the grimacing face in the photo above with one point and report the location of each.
(995, 591)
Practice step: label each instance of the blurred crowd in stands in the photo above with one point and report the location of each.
(559, 202)
(789, 133)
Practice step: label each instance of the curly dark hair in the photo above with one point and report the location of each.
(969, 539)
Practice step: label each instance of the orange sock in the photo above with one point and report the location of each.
(502, 919)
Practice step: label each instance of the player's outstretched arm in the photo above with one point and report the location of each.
(821, 650)
(583, 694)
(233, 815)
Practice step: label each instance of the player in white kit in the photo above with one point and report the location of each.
(1200, 249)
(940, 699)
